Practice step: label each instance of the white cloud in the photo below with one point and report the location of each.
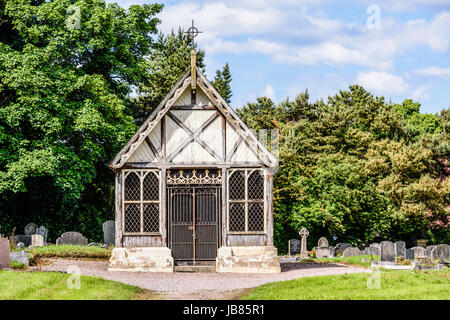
(269, 92)
(382, 83)
(434, 71)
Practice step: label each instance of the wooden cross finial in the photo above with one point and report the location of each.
(192, 33)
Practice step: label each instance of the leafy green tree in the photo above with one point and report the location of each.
(66, 68)
(222, 83)
(169, 58)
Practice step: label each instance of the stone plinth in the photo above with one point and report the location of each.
(253, 259)
(150, 259)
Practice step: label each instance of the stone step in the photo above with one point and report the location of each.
(196, 268)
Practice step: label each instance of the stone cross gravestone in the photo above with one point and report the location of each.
(441, 251)
(109, 231)
(351, 252)
(294, 246)
(37, 240)
(73, 238)
(30, 229)
(4, 253)
(304, 233)
(399, 248)
(323, 242)
(387, 251)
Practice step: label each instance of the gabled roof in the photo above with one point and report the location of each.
(263, 154)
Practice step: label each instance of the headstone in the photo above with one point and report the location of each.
(371, 251)
(43, 231)
(20, 256)
(109, 231)
(304, 233)
(30, 229)
(37, 240)
(441, 251)
(294, 246)
(323, 252)
(73, 238)
(20, 245)
(387, 251)
(375, 245)
(323, 242)
(94, 244)
(4, 253)
(340, 247)
(409, 254)
(26, 240)
(351, 252)
(419, 252)
(428, 250)
(399, 248)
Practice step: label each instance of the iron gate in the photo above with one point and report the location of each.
(194, 204)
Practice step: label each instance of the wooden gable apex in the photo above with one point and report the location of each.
(143, 136)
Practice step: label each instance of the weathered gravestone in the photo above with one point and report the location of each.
(304, 233)
(340, 248)
(26, 240)
(399, 248)
(109, 231)
(37, 240)
(428, 250)
(94, 244)
(30, 229)
(294, 246)
(419, 252)
(20, 245)
(322, 249)
(441, 251)
(4, 253)
(351, 252)
(73, 238)
(43, 231)
(409, 254)
(375, 245)
(387, 251)
(21, 257)
(323, 242)
(371, 251)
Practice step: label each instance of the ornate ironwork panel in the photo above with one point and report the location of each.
(194, 206)
(141, 205)
(246, 201)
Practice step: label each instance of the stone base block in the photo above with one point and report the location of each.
(152, 259)
(254, 259)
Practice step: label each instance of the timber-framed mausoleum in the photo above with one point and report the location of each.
(194, 186)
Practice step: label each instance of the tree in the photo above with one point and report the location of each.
(62, 107)
(222, 83)
(169, 58)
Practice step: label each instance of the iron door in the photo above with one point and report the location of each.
(193, 222)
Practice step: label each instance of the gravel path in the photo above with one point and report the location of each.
(201, 285)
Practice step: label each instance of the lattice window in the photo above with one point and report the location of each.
(141, 205)
(246, 201)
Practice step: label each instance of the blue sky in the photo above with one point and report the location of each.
(397, 49)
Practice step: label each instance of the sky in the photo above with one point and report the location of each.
(396, 49)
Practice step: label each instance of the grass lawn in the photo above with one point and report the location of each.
(395, 285)
(356, 260)
(68, 252)
(53, 286)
